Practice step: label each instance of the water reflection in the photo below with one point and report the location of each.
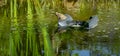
(95, 49)
(81, 52)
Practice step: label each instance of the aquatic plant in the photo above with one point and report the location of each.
(14, 35)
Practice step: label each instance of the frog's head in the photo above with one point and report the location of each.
(60, 16)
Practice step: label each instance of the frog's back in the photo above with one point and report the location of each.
(93, 22)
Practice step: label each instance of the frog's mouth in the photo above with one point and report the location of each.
(60, 16)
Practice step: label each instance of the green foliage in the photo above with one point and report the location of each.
(47, 43)
(15, 35)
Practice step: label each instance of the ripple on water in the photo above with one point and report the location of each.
(13, 29)
(105, 36)
(119, 36)
(92, 34)
(101, 19)
(108, 32)
(98, 36)
(1, 49)
(119, 23)
(103, 30)
(24, 28)
(116, 28)
(99, 31)
(107, 23)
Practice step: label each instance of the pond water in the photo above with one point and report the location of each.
(93, 49)
(102, 40)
